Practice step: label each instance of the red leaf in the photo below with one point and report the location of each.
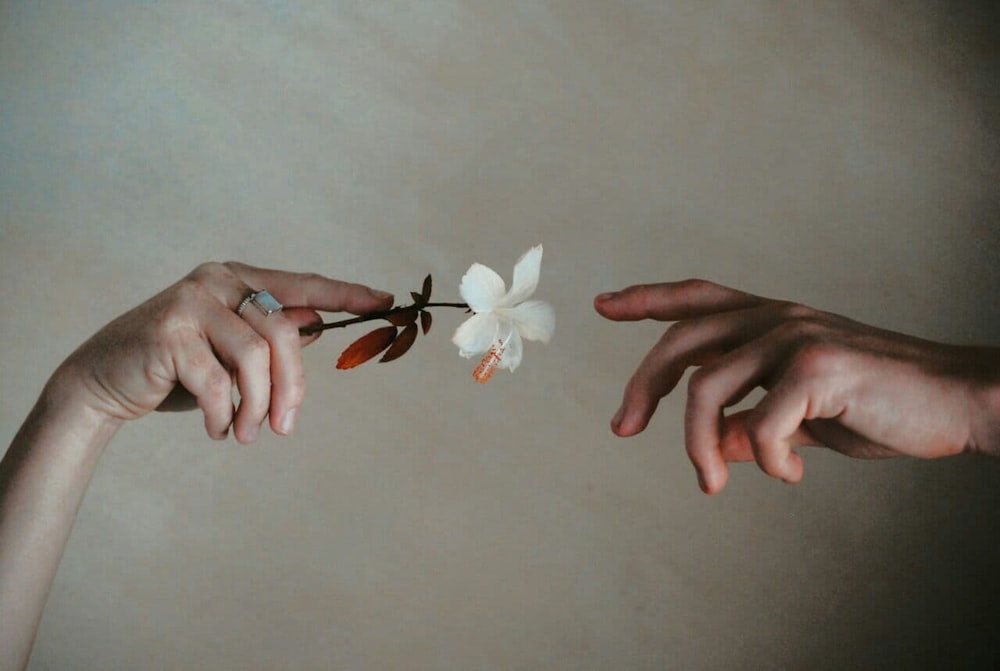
(425, 292)
(366, 347)
(425, 321)
(403, 317)
(401, 344)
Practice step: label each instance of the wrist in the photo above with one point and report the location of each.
(986, 436)
(73, 387)
(66, 404)
(985, 431)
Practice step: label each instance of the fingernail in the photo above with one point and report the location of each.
(288, 421)
(381, 295)
(607, 296)
(252, 433)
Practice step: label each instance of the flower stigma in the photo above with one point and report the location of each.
(484, 371)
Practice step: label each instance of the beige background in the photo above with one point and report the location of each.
(843, 154)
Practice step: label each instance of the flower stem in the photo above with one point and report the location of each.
(316, 328)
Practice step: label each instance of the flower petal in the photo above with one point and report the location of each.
(475, 335)
(526, 272)
(512, 353)
(481, 288)
(536, 320)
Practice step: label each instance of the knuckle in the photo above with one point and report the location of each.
(646, 292)
(255, 349)
(218, 386)
(672, 346)
(207, 270)
(169, 336)
(175, 312)
(804, 324)
(310, 277)
(636, 295)
(688, 291)
(187, 293)
(800, 330)
(675, 333)
(634, 289)
(792, 311)
(231, 267)
(814, 357)
(760, 432)
(700, 386)
(695, 285)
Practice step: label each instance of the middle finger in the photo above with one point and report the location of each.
(288, 382)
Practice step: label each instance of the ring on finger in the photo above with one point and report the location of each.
(262, 300)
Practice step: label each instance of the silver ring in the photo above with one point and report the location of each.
(263, 300)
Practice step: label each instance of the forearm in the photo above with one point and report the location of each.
(986, 428)
(43, 478)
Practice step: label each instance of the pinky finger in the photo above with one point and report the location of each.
(211, 385)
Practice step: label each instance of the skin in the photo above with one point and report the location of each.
(183, 348)
(830, 382)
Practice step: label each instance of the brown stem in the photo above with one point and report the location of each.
(316, 328)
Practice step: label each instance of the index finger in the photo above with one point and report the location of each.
(313, 291)
(673, 301)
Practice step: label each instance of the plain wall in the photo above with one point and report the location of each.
(841, 154)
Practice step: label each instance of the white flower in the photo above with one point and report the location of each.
(502, 318)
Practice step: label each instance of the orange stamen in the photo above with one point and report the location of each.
(484, 371)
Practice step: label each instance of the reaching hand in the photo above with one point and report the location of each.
(830, 381)
(186, 346)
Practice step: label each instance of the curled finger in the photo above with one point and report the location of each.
(717, 386)
(248, 355)
(287, 377)
(209, 383)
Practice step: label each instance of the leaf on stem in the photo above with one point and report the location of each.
(425, 291)
(425, 321)
(403, 317)
(367, 346)
(401, 344)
